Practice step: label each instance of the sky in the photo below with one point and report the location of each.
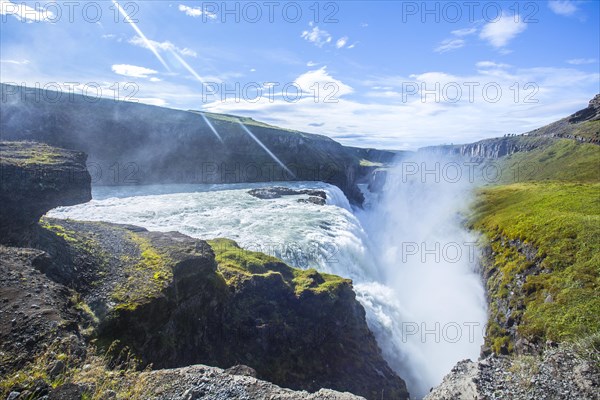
(384, 74)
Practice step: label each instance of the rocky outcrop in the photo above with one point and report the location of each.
(130, 143)
(559, 373)
(35, 178)
(201, 382)
(491, 148)
(318, 197)
(582, 126)
(176, 301)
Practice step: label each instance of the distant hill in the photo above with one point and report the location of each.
(132, 143)
(582, 127)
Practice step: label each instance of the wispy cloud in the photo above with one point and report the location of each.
(341, 42)
(449, 45)
(318, 37)
(491, 64)
(164, 46)
(196, 12)
(562, 7)
(311, 64)
(15, 62)
(464, 31)
(500, 32)
(133, 71)
(456, 41)
(581, 61)
(25, 13)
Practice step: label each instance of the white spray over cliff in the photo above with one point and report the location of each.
(428, 263)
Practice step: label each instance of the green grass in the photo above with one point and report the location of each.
(562, 221)
(564, 160)
(236, 263)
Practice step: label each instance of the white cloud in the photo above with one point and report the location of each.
(364, 25)
(153, 101)
(449, 45)
(318, 37)
(498, 33)
(581, 61)
(562, 7)
(464, 31)
(25, 13)
(341, 42)
(133, 71)
(15, 62)
(311, 64)
(353, 45)
(326, 84)
(164, 46)
(252, 69)
(490, 64)
(387, 120)
(196, 12)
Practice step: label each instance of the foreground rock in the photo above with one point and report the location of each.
(176, 301)
(35, 178)
(202, 382)
(558, 374)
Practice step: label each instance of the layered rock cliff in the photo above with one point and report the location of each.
(130, 143)
(582, 126)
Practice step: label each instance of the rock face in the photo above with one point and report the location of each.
(130, 143)
(34, 310)
(559, 373)
(176, 301)
(35, 178)
(318, 197)
(201, 382)
(582, 126)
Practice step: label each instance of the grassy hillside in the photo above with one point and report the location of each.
(563, 160)
(541, 228)
(544, 273)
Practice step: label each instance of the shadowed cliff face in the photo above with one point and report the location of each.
(130, 143)
(35, 178)
(177, 301)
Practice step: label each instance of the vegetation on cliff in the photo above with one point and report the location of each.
(544, 269)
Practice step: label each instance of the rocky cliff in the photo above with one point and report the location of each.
(130, 143)
(95, 297)
(35, 178)
(582, 126)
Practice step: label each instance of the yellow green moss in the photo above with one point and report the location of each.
(235, 263)
(146, 278)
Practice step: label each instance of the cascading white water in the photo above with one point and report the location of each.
(332, 239)
(429, 306)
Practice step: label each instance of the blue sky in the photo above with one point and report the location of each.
(389, 74)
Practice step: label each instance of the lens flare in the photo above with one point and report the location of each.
(265, 148)
(212, 128)
(141, 34)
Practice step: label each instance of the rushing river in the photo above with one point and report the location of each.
(404, 298)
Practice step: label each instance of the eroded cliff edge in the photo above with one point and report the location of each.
(108, 300)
